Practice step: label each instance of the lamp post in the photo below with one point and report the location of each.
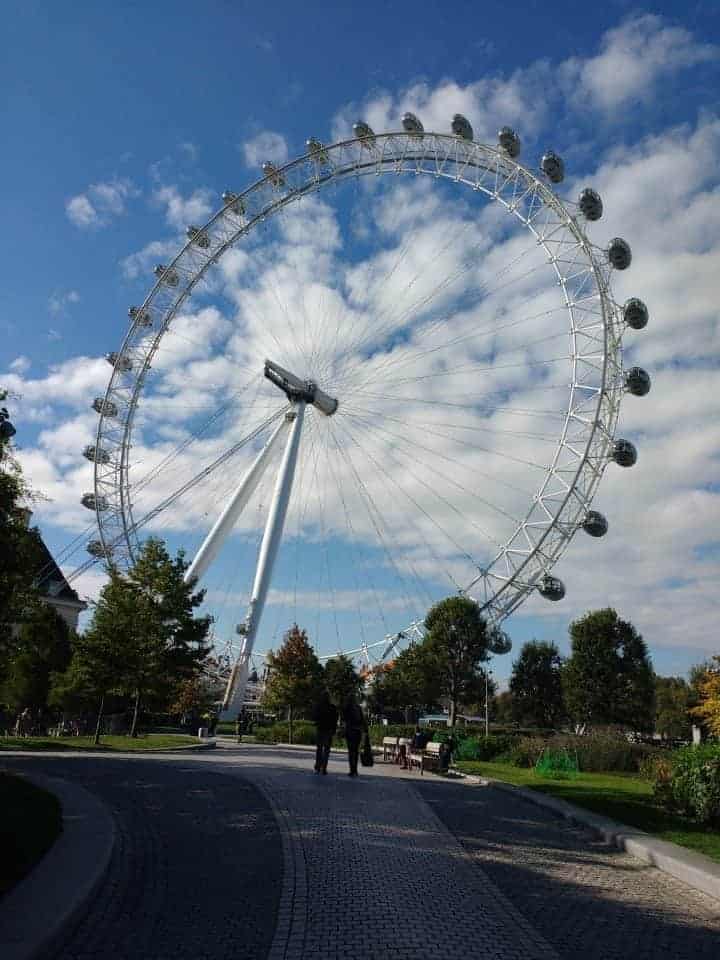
(488, 673)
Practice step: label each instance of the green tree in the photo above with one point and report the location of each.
(455, 650)
(608, 679)
(708, 707)
(405, 687)
(501, 708)
(672, 703)
(20, 556)
(41, 649)
(295, 676)
(536, 686)
(341, 679)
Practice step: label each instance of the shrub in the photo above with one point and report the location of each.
(692, 784)
(379, 730)
(596, 752)
(303, 732)
(557, 765)
(483, 748)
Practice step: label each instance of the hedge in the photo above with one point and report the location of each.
(689, 783)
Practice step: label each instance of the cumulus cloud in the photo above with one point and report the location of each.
(58, 302)
(100, 203)
(181, 211)
(20, 365)
(267, 145)
(142, 261)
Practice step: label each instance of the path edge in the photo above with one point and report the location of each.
(38, 913)
(691, 868)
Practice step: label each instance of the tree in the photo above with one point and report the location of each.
(501, 707)
(295, 676)
(405, 687)
(20, 556)
(708, 708)
(454, 650)
(608, 678)
(42, 648)
(672, 719)
(341, 679)
(536, 686)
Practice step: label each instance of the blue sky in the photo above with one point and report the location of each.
(125, 122)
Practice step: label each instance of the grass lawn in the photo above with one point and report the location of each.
(620, 796)
(30, 820)
(152, 741)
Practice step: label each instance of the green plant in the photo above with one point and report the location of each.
(692, 786)
(557, 765)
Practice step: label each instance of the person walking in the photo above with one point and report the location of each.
(325, 717)
(355, 727)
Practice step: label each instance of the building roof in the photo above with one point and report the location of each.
(53, 585)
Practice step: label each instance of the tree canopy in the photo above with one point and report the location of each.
(341, 679)
(42, 648)
(536, 685)
(295, 676)
(672, 718)
(608, 679)
(708, 707)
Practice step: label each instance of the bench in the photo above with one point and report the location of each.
(432, 757)
(403, 750)
(390, 747)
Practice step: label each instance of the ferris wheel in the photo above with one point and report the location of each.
(403, 361)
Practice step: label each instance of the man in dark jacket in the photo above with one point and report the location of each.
(355, 727)
(325, 717)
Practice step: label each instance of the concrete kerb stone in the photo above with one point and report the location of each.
(36, 914)
(691, 868)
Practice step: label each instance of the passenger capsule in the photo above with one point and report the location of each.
(119, 361)
(7, 430)
(106, 407)
(500, 643)
(619, 253)
(141, 317)
(166, 275)
(95, 548)
(590, 203)
(624, 453)
(461, 127)
(316, 150)
(635, 314)
(273, 174)
(553, 167)
(365, 133)
(96, 454)
(412, 125)
(509, 141)
(92, 502)
(198, 237)
(233, 202)
(637, 381)
(551, 588)
(595, 524)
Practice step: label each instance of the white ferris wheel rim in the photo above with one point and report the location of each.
(574, 472)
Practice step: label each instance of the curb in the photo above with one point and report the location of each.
(39, 911)
(691, 868)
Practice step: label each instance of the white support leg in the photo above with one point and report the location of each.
(227, 519)
(235, 692)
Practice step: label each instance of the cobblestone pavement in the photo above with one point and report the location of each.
(590, 901)
(385, 866)
(196, 873)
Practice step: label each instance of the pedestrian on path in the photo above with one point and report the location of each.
(325, 717)
(355, 727)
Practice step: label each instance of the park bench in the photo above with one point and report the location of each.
(390, 747)
(403, 750)
(429, 758)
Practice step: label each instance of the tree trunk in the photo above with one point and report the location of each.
(98, 725)
(290, 724)
(136, 712)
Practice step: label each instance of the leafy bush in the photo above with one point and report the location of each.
(596, 752)
(379, 730)
(691, 786)
(483, 748)
(557, 765)
(303, 732)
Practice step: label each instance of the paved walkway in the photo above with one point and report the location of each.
(379, 867)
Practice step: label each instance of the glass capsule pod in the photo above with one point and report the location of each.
(635, 314)
(198, 236)
(595, 524)
(166, 275)
(365, 133)
(412, 125)
(141, 317)
(96, 454)
(500, 642)
(461, 127)
(553, 167)
(551, 588)
(233, 202)
(316, 150)
(619, 253)
(106, 407)
(624, 453)
(637, 381)
(273, 174)
(590, 203)
(509, 141)
(119, 361)
(95, 548)
(92, 502)
(7, 430)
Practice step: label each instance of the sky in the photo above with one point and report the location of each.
(125, 123)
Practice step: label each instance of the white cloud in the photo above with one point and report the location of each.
(20, 365)
(633, 59)
(136, 264)
(181, 211)
(265, 146)
(102, 201)
(58, 302)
